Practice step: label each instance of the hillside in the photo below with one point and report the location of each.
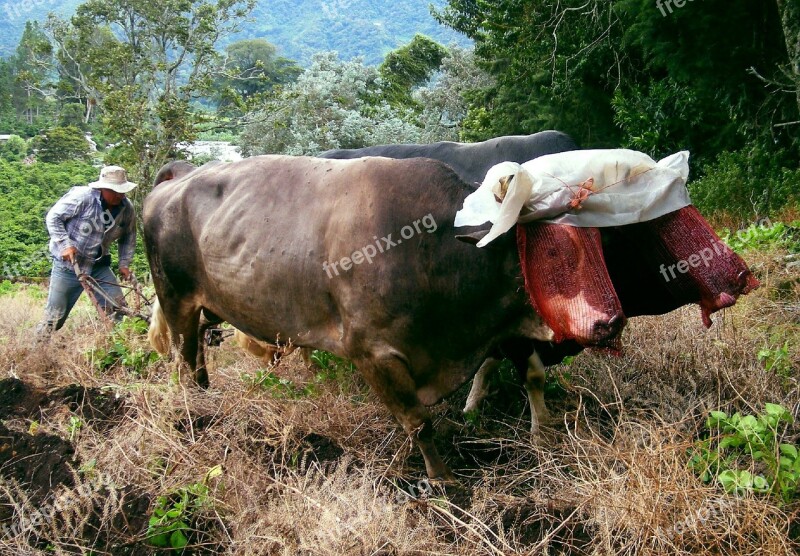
(299, 28)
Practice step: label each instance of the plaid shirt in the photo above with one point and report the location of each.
(79, 220)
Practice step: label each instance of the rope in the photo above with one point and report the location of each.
(92, 288)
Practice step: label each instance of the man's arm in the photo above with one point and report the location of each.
(67, 207)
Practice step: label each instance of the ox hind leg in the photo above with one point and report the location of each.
(390, 379)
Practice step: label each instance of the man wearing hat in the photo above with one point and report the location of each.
(82, 226)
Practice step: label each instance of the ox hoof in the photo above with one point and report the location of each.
(446, 479)
(442, 475)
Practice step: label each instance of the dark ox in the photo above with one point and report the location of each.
(632, 264)
(246, 242)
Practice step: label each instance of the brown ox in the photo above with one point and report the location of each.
(253, 242)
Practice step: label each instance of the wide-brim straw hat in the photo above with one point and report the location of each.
(114, 178)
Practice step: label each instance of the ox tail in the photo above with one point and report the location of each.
(158, 334)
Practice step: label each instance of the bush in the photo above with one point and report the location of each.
(61, 144)
(26, 194)
(749, 441)
(14, 149)
(749, 182)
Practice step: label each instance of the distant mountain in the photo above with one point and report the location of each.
(299, 28)
(14, 14)
(368, 28)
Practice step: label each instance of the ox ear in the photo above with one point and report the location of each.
(472, 238)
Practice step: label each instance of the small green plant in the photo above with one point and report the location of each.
(332, 366)
(7, 287)
(171, 522)
(473, 417)
(120, 351)
(744, 453)
(776, 360)
(279, 387)
(74, 427)
(759, 236)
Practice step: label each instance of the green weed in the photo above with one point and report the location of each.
(277, 386)
(777, 359)
(7, 287)
(331, 368)
(121, 350)
(171, 522)
(762, 235)
(744, 454)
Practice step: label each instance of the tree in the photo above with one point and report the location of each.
(81, 78)
(6, 94)
(61, 144)
(154, 59)
(789, 11)
(249, 68)
(610, 72)
(72, 114)
(409, 67)
(32, 66)
(333, 104)
(446, 102)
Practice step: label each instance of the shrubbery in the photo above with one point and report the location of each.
(61, 144)
(14, 149)
(748, 183)
(26, 194)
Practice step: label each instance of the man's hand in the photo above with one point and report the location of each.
(125, 273)
(68, 254)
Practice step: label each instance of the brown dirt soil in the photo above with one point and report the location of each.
(320, 467)
(41, 465)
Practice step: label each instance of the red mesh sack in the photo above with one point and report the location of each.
(568, 283)
(694, 263)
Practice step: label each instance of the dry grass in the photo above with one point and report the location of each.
(325, 474)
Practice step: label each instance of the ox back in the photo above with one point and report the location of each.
(471, 161)
(255, 243)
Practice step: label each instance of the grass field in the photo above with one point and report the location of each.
(103, 450)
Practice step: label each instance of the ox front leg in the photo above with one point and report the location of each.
(534, 385)
(391, 380)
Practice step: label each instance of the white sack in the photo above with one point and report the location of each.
(628, 187)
